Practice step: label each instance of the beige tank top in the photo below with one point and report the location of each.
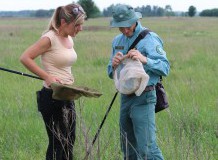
(57, 61)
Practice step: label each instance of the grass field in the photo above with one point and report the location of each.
(188, 130)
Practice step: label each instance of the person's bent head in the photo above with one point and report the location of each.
(125, 18)
(68, 17)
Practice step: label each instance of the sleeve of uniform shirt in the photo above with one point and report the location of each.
(109, 67)
(157, 61)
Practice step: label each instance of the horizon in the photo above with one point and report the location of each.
(181, 6)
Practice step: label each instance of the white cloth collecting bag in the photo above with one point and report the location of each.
(130, 77)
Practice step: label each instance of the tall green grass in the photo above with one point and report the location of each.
(188, 130)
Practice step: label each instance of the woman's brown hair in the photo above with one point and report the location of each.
(71, 12)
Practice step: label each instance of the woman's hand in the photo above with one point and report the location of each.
(50, 79)
(135, 54)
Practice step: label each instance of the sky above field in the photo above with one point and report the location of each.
(180, 5)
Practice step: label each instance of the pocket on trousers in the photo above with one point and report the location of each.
(44, 100)
(38, 99)
(151, 97)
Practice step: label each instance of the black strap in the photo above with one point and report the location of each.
(161, 78)
(140, 36)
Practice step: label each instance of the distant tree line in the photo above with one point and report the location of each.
(209, 13)
(24, 13)
(147, 11)
(93, 11)
(27, 13)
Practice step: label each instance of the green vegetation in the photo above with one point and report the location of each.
(209, 13)
(192, 11)
(188, 130)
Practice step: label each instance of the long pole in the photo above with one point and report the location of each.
(99, 129)
(20, 73)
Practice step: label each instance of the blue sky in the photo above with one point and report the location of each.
(180, 5)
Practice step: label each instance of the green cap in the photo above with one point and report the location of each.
(124, 16)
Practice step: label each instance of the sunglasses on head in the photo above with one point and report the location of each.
(77, 10)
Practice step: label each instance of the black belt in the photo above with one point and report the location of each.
(149, 88)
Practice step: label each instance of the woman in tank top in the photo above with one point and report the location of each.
(56, 49)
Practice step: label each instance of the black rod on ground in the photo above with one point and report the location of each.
(99, 129)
